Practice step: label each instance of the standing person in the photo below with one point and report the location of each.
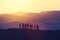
(37, 27)
(27, 25)
(34, 26)
(23, 25)
(20, 26)
(31, 26)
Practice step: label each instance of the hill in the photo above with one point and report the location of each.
(21, 34)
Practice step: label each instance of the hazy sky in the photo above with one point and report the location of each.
(10, 6)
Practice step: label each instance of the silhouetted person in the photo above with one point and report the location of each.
(23, 25)
(27, 25)
(31, 26)
(37, 27)
(34, 26)
(20, 26)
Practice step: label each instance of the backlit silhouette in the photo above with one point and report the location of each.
(29, 26)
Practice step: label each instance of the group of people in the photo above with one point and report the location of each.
(29, 26)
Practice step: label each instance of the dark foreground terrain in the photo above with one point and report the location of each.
(25, 34)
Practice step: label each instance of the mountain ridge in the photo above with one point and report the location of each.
(49, 20)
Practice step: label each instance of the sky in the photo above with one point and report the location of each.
(11, 6)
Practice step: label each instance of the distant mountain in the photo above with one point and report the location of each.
(50, 20)
(47, 20)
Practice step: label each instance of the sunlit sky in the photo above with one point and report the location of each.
(11, 6)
